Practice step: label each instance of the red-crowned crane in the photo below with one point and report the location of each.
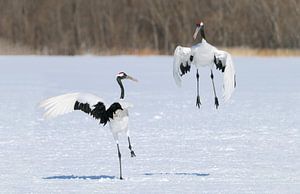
(116, 115)
(201, 55)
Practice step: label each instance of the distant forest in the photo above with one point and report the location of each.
(71, 27)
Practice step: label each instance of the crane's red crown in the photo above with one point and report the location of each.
(121, 74)
(199, 23)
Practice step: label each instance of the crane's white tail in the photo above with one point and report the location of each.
(229, 78)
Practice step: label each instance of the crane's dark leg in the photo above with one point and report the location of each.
(198, 103)
(213, 83)
(119, 155)
(130, 148)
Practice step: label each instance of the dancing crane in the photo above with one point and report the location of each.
(116, 115)
(201, 55)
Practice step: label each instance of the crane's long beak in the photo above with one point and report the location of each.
(131, 78)
(196, 32)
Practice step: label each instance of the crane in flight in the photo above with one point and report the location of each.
(201, 55)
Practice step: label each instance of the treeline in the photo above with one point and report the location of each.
(103, 26)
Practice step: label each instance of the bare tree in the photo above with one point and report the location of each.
(78, 26)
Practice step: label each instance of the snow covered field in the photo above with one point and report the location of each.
(249, 145)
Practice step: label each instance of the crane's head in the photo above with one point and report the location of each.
(199, 26)
(122, 75)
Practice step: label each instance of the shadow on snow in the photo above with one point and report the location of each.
(177, 173)
(68, 177)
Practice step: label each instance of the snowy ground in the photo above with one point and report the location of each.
(249, 145)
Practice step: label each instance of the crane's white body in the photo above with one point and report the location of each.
(119, 123)
(203, 54)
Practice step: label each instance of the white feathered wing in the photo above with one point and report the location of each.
(63, 104)
(229, 81)
(181, 56)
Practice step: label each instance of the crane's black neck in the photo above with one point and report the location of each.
(202, 33)
(119, 80)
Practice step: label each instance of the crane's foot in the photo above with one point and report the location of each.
(132, 154)
(216, 102)
(198, 103)
(121, 178)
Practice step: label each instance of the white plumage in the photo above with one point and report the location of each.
(201, 55)
(63, 104)
(116, 115)
(181, 56)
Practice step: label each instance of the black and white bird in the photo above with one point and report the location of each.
(116, 115)
(201, 55)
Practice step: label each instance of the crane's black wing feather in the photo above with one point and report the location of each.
(184, 69)
(98, 111)
(112, 109)
(85, 107)
(219, 64)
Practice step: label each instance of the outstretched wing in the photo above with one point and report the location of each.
(181, 63)
(224, 63)
(88, 103)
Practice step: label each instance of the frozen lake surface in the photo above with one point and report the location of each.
(250, 145)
